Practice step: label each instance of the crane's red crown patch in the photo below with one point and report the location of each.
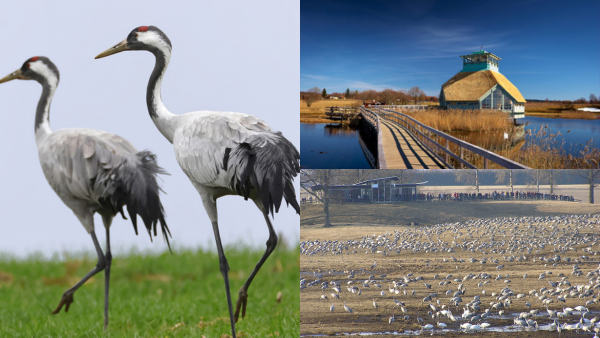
(143, 29)
(35, 58)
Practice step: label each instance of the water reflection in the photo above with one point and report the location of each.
(336, 146)
(333, 146)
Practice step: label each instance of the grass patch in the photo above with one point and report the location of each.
(180, 295)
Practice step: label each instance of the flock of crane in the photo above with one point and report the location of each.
(547, 287)
(222, 153)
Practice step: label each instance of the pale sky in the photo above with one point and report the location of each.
(227, 56)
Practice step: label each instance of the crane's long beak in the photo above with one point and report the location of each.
(119, 47)
(14, 75)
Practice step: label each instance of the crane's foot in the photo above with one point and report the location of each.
(67, 299)
(241, 303)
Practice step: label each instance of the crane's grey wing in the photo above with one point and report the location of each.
(106, 170)
(201, 143)
(246, 149)
(72, 158)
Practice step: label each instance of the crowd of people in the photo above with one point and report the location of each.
(508, 195)
(457, 196)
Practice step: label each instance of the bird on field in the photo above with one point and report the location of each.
(347, 308)
(93, 171)
(222, 153)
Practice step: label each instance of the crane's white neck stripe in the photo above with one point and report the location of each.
(154, 39)
(42, 69)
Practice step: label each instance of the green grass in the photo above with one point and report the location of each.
(150, 295)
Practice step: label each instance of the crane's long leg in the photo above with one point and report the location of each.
(243, 294)
(210, 205)
(107, 277)
(224, 266)
(67, 297)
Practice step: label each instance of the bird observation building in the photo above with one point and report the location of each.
(480, 85)
(379, 190)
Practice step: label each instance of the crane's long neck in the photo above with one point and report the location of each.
(42, 115)
(163, 119)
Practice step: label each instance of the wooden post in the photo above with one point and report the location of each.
(485, 163)
(447, 147)
(461, 157)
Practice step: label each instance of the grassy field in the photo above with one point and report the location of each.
(316, 112)
(557, 109)
(179, 295)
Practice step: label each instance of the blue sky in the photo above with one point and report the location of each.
(549, 49)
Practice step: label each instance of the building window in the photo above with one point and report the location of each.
(497, 98)
(487, 102)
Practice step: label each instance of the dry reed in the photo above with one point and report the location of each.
(453, 120)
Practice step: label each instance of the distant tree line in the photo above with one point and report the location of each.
(386, 96)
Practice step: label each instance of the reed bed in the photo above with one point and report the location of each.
(577, 114)
(457, 120)
(544, 149)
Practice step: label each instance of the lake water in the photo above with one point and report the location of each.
(325, 146)
(328, 146)
(574, 132)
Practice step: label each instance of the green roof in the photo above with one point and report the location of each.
(479, 52)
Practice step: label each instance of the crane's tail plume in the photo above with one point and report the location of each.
(269, 163)
(137, 188)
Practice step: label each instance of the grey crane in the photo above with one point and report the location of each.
(222, 153)
(93, 171)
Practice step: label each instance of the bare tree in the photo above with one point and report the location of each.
(369, 95)
(353, 176)
(469, 177)
(389, 96)
(316, 182)
(551, 177)
(502, 175)
(312, 95)
(593, 98)
(416, 93)
(592, 176)
(534, 177)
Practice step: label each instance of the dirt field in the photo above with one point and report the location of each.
(316, 112)
(518, 244)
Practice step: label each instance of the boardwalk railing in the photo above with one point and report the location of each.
(433, 139)
(373, 120)
(406, 106)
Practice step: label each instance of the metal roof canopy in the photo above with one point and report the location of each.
(478, 54)
(409, 184)
(393, 178)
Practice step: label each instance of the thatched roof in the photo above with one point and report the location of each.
(471, 86)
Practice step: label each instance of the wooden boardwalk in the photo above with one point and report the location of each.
(403, 151)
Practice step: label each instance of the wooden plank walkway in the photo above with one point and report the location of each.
(403, 151)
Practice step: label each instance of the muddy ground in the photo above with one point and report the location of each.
(316, 318)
